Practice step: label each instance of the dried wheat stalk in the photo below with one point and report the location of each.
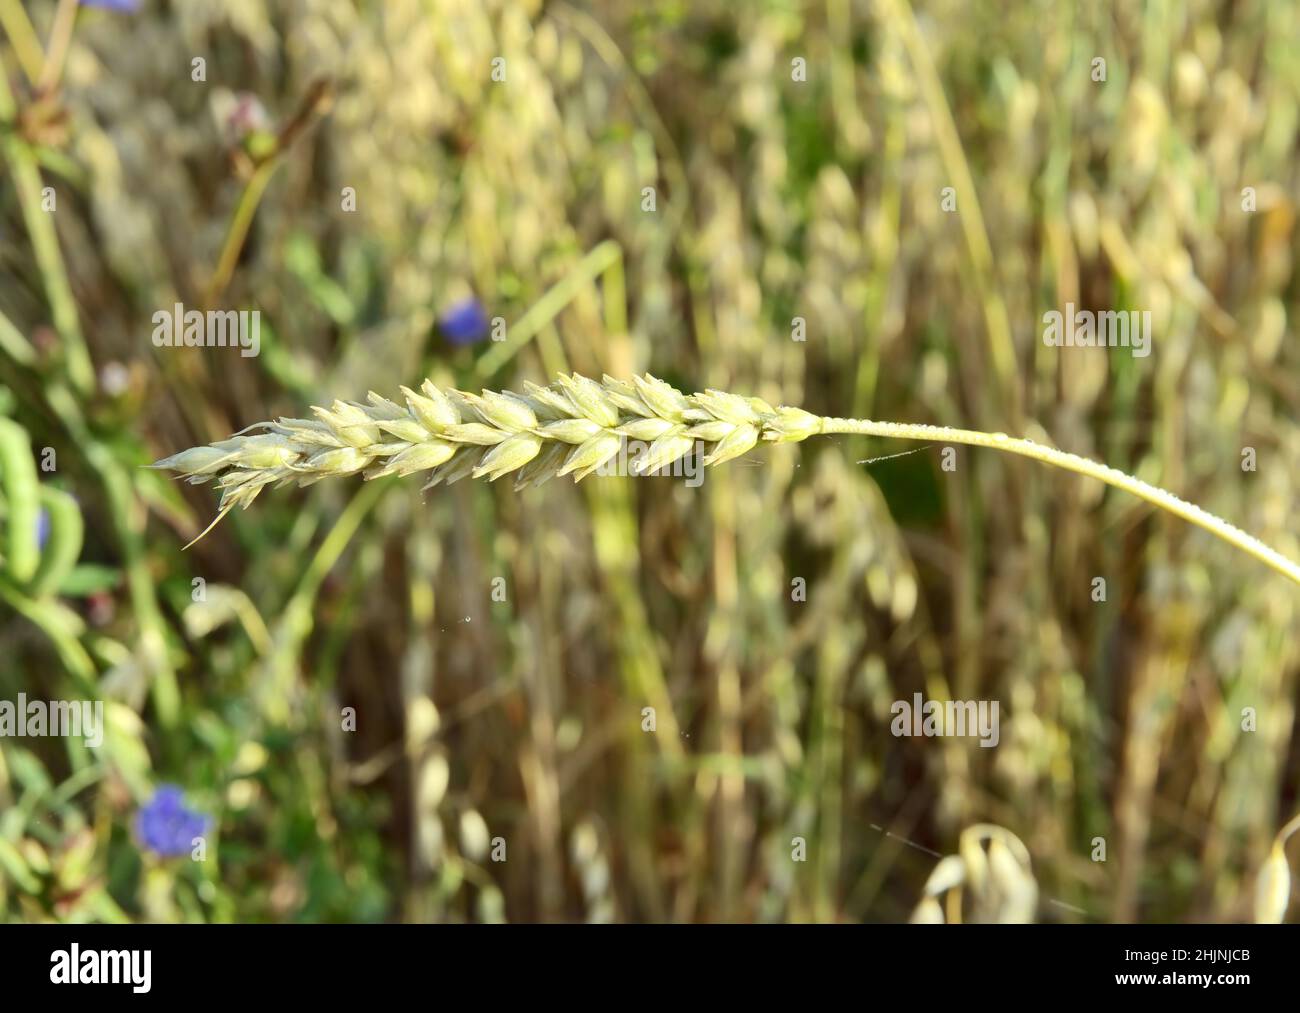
(573, 427)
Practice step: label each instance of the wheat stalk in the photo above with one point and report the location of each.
(573, 427)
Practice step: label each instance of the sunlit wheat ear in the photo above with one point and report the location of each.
(1273, 884)
(572, 428)
(998, 883)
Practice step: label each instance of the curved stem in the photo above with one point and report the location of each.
(1080, 465)
(238, 231)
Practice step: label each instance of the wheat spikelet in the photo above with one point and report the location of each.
(572, 428)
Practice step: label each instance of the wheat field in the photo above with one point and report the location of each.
(694, 686)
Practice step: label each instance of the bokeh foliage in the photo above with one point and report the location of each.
(774, 199)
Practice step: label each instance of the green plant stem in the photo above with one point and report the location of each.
(1002, 350)
(65, 400)
(45, 244)
(597, 260)
(59, 623)
(129, 520)
(15, 345)
(296, 619)
(238, 231)
(22, 37)
(60, 38)
(314, 103)
(1080, 465)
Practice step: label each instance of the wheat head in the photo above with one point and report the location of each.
(572, 427)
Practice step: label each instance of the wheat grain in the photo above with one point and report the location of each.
(573, 427)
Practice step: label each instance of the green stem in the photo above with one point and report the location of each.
(238, 231)
(15, 345)
(978, 248)
(45, 244)
(296, 618)
(1080, 465)
(22, 37)
(314, 103)
(65, 400)
(548, 307)
(60, 38)
(57, 622)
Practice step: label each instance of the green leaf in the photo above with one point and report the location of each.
(22, 501)
(63, 546)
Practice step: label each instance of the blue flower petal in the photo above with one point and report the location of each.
(464, 323)
(122, 6)
(165, 827)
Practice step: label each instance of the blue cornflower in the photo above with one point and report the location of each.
(125, 6)
(464, 323)
(165, 826)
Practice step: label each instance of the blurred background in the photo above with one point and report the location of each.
(368, 697)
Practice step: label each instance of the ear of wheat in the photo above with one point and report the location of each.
(572, 427)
